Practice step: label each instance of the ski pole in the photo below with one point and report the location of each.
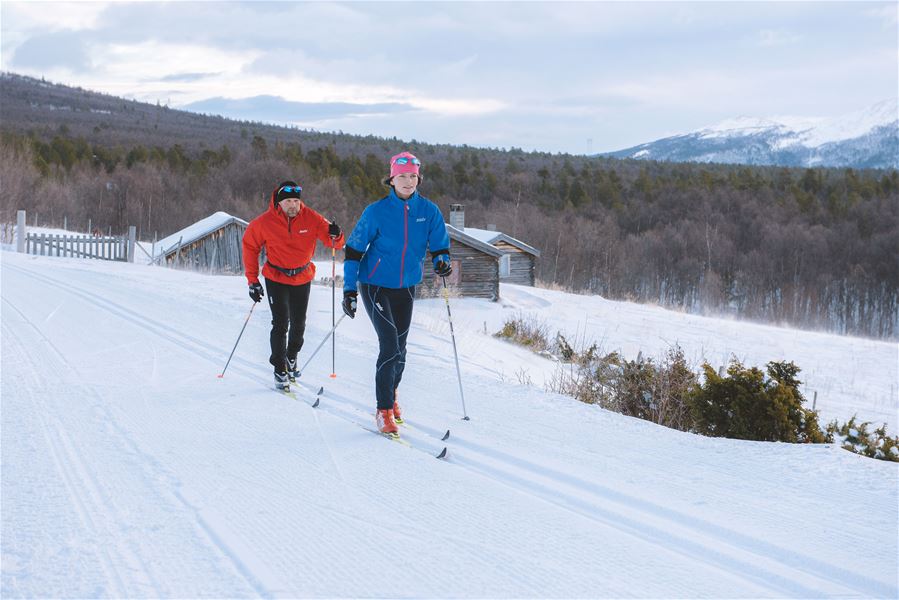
(320, 344)
(449, 314)
(238, 339)
(333, 312)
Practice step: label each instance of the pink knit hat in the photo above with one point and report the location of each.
(404, 162)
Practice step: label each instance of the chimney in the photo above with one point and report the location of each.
(457, 216)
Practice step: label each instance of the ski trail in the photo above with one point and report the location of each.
(90, 488)
(762, 562)
(233, 478)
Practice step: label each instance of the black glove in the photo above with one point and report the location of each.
(334, 230)
(349, 304)
(443, 268)
(256, 292)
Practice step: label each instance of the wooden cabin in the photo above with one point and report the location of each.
(518, 261)
(213, 244)
(475, 268)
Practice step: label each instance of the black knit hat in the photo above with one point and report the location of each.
(288, 189)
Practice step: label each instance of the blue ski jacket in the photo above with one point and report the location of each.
(388, 244)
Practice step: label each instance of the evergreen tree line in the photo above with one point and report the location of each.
(813, 248)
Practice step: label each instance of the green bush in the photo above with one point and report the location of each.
(747, 405)
(638, 388)
(527, 331)
(855, 437)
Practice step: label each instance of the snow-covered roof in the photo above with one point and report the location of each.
(491, 237)
(192, 233)
(465, 238)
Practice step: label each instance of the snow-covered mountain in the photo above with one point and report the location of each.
(863, 139)
(130, 470)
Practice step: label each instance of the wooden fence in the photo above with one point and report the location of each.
(79, 246)
(119, 248)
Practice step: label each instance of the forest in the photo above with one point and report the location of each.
(811, 248)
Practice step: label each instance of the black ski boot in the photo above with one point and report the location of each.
(292, 372)
(282, 381)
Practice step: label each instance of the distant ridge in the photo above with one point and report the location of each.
(865, 139)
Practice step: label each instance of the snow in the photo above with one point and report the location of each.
(811, 132)
(482, 235)
(740, 126)
(489, 236)
(129, 469)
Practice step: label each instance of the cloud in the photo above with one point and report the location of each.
(889, 14)
(54, 16)
(187, 77)
(775, 37)
(276, 109)
(65, 49)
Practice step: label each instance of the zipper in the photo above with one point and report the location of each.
(405, 240)
(374, 268)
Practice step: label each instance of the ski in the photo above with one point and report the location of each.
(292, 394)
(405, 425)
(318, 396)
(395, 437)
(286, 392)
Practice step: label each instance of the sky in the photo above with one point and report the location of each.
(579, 77)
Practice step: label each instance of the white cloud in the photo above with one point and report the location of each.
(53, 16)
(777, 37)
(889, 14)
(153, 60)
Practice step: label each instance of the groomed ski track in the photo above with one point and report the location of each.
(129, 469)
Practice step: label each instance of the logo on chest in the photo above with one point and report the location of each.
(421, 219)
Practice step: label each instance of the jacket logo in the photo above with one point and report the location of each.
(420, 220)
(303, 231)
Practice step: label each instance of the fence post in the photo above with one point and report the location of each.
(132, 233)
(21, 232)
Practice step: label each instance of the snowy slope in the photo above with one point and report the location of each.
(130, 470)
(867, 138)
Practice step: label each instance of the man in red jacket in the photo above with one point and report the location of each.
(288, 230)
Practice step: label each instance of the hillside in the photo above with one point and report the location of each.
(807, 247)
(130, 469)
(865, 139)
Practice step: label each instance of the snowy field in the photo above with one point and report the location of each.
(129, 469)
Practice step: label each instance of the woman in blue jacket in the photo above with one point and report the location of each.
(383, 264)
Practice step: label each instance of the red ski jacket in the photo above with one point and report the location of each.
(289, 244)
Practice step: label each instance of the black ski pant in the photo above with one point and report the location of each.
(288, 304)
(390, 311)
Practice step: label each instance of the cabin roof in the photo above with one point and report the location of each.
(491, 237)
(196, 231)
(463, 237)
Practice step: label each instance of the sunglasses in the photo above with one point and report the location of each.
(403, 160)
(290, 189)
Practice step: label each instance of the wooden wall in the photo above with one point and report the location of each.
(475, 274)
(219, 252)
(521, 267)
